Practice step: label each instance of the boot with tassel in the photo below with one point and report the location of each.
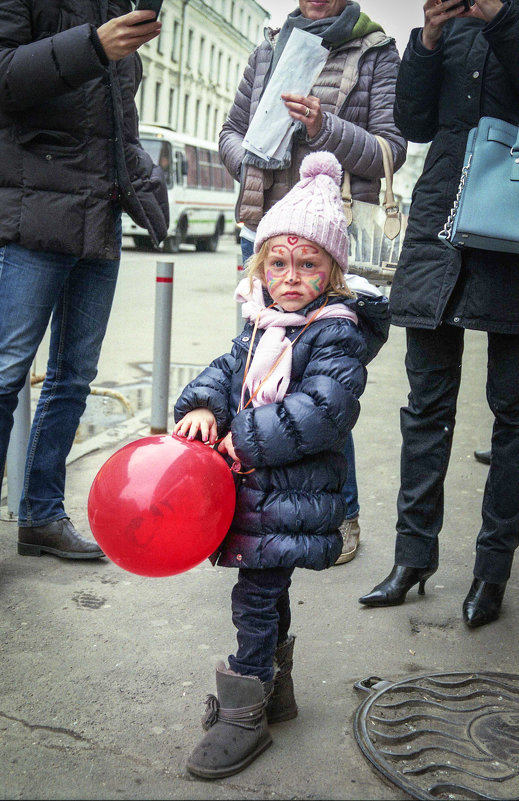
(236, 726)
(282, 704)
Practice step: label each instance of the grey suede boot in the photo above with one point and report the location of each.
(236, 726)
(282, 704)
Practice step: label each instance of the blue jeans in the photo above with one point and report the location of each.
(349, 490)
(247, 249)
(78, 294)
(261, 614)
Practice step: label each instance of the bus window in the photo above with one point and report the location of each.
(165, 162)
(204, 166)
(192, 171)
(229, 182)
(179, 168)
(160, 153)
(218, 172)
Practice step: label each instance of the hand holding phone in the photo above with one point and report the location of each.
(123, 35)
(465, 4)
(436, 15)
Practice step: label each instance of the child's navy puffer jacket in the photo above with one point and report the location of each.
(289, 509)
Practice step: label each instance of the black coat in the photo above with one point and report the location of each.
(289, 509)
(69, 132)
(440, 96)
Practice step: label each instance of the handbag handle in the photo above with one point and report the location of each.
(393, 223)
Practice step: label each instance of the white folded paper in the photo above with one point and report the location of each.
(296, 72)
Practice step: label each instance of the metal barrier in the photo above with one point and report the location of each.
(162, 347)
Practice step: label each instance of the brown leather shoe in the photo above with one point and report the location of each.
(350, 531)
(59, 538)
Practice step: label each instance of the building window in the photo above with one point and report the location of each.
(238, 76)
(189, 54)
(186, 111)
(158, 89)
(171, 106)
(211, 61)
(176, 41)
(196, 121)
(201, 55)
(159, 38)
(219, 71)
(228, 74)
(142, 96)
(231, 17)
(207, 120)
(215, 125)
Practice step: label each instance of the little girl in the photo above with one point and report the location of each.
(282, 403)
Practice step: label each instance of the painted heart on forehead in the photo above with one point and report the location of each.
(292, 240)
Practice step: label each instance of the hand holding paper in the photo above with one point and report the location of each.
(297, 70)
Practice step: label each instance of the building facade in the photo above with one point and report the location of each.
(192, 70)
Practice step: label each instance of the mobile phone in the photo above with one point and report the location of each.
(465, 4)
(149, 5)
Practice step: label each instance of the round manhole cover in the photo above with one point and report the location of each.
(444, 735)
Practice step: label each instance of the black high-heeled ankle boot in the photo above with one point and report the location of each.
(393, 590)
(483, 603)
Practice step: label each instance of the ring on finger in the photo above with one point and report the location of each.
(307, 112)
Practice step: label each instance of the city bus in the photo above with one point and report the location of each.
(202, 194)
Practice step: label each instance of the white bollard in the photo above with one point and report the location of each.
(162, 347)
(17, 450)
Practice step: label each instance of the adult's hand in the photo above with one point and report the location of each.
(121, 36)
(436, 14)
(306, 110)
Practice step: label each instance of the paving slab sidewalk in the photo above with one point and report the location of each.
(104, 673)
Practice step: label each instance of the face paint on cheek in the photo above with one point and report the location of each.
(273, 281)
(317, 283)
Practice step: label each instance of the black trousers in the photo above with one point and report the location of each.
(433, 363)
(261, 614)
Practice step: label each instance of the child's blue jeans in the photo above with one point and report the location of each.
(261, 614)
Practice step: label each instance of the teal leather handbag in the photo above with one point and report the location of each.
(485, 213)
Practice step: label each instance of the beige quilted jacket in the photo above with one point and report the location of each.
(357, 90)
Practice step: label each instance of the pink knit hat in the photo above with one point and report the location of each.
(312, 209)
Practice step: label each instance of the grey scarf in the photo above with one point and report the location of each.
(333, 30)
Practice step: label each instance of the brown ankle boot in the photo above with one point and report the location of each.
(282, 704)
(236, 725)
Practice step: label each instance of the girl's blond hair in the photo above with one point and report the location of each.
(336, 285)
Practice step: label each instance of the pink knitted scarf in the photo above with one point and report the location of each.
(274, 342)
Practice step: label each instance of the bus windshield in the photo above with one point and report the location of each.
(160, 152)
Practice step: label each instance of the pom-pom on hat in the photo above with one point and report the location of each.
(312, 209)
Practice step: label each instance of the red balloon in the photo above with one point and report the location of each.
(161, 505)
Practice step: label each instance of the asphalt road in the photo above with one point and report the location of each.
(203, 309)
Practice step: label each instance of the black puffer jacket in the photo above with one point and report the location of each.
(441, 95)
(289, 509)
(69, 132)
